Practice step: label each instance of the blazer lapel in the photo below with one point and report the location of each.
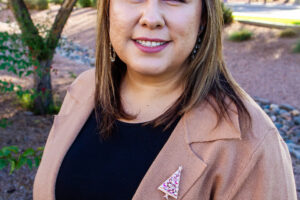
(176, 152)
(198, 125)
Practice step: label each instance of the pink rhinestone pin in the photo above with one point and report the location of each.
(171, 186)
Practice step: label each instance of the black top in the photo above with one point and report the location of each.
(111, 169)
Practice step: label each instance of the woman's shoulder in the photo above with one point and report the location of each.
(85, 77)
(84, 84)
(228, 137)
(261, 123)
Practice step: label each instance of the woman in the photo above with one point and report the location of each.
(160, 116)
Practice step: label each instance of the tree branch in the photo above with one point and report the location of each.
(30, 33)
(59, 23)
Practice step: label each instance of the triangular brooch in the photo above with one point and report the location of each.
(171, 185)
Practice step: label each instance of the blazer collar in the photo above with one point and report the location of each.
(201, 124)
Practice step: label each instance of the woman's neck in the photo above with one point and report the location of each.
(149, 96)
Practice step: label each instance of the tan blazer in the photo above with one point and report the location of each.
(221, 163)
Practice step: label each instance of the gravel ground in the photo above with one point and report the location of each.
(264, 67)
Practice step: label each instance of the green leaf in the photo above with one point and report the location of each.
(11, 87)
(5, 152)
(21, 162)
(20, 73)
(12, 69)
(3, 65)
(40, 149)
(28, 152)
(29, 163)
(3, 163)
(14, 149)
(12, 166)
(28, 73)
(36, 161)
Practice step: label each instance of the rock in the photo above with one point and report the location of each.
(295, 112)
(287, 107)
(284, 128)
(295, 140)
(286, 115)
(273, 118)
(274, 108)
(293, 148)
(266, 107)
(290, 123)
(11, 190)
(297, 120)
(262, 100)
(267, 111)
(278, 125)
(282, 111)
(297, 133)
(28, 113)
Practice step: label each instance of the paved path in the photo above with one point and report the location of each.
(271, 11)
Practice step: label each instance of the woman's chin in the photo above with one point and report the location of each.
(150, 71)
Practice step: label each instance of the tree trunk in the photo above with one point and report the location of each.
(43, 103)
(41, 49)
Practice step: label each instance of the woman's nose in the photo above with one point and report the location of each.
(152, 16)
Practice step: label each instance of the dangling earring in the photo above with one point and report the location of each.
(112, 53)
(198, 44)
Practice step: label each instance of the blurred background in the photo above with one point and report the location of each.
(45, 44)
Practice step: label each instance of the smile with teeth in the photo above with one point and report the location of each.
(149, 43)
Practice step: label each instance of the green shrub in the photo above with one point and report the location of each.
(26, 100)
(84, 3)
(241, 35)
(95, 3)
(37, 4)
(297, 47)
(288, 33)
(4, 122)
(56, 1)
(227, 14)
(15, 158)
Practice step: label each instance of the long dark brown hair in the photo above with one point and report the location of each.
(206, 75)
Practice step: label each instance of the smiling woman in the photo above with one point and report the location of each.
(161, 117)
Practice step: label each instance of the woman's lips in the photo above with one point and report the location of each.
(148, 49)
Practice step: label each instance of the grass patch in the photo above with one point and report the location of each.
(241, 35)
(296, 23)
(297, 47)
(288, 33)
(268, 19)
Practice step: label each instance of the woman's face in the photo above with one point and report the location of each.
(154, 37)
